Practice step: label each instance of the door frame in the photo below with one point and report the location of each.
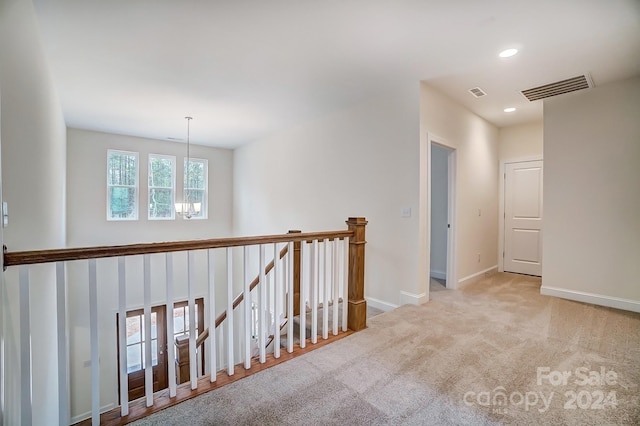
(2, 302)
(424, 246)
(501, 211)
(160, 371)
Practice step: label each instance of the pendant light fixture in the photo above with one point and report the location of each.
(187, 208)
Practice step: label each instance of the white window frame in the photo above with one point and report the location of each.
(173, 186)
(205, 202)
(136, 186)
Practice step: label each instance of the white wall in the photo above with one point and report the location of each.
(439, 200)
(33, 177)
(592, 195)
(86, 202)
(361, 161)
(476, 144)
(87, 226)
(521, 141)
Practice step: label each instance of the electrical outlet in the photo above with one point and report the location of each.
(405, 212)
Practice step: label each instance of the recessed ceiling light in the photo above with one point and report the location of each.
(510, 109)
(508, 53)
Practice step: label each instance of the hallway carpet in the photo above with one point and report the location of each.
(496, 352)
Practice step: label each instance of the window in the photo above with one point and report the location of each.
(122, 185)
(136, 339)
(195, 185)
(181, 317)
(162, 178)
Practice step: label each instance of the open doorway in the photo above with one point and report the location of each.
(439, 217)
(425, 213)
(442, 214)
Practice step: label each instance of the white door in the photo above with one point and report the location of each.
(523, 218)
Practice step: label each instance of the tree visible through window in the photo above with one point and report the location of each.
(122, 185)
(195, 185)
(161, 185)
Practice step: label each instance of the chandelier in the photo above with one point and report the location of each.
(187, 207)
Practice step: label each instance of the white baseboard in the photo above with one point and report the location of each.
(379, 304)
(87, 415)
(595, 299)
(407, 298)
(439, 275)
(470, 279)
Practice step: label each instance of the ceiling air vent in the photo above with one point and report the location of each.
(477, 92)
(558, 88)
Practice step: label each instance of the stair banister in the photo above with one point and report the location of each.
(357, 304)
(353, 287)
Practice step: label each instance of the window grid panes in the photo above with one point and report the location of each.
(161, 186)
(122, 185)
(136, 342)
(195, 185)
(181, 320)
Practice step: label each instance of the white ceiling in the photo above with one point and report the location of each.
(245, 69)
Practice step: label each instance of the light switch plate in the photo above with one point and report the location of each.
(5, 214)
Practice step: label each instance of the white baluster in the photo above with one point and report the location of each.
(148, 366)
(193, 356)
(303, 295)
(248, 325)
(336, 283)
(315, 273)
(325, 290)
(122, 337)
(95, 350)
(278, 301)
(171, 347)
(262, 307)
(345, 284)
(63, 345)
(289, 285)
(222, 349)
(25, 347)
(212, 317)
(230, 365)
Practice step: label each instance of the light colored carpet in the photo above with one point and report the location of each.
(448, 362)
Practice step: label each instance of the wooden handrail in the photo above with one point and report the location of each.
(205, 333)
(68, 254)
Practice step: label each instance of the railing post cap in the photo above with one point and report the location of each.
(357, 220)
(182, 340)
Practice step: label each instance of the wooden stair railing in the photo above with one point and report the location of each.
(182, 344)
(141, 408)
(83, 253)
(356, 321)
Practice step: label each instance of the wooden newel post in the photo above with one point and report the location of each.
(357, 318)
(296, 273)
(182, 359)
